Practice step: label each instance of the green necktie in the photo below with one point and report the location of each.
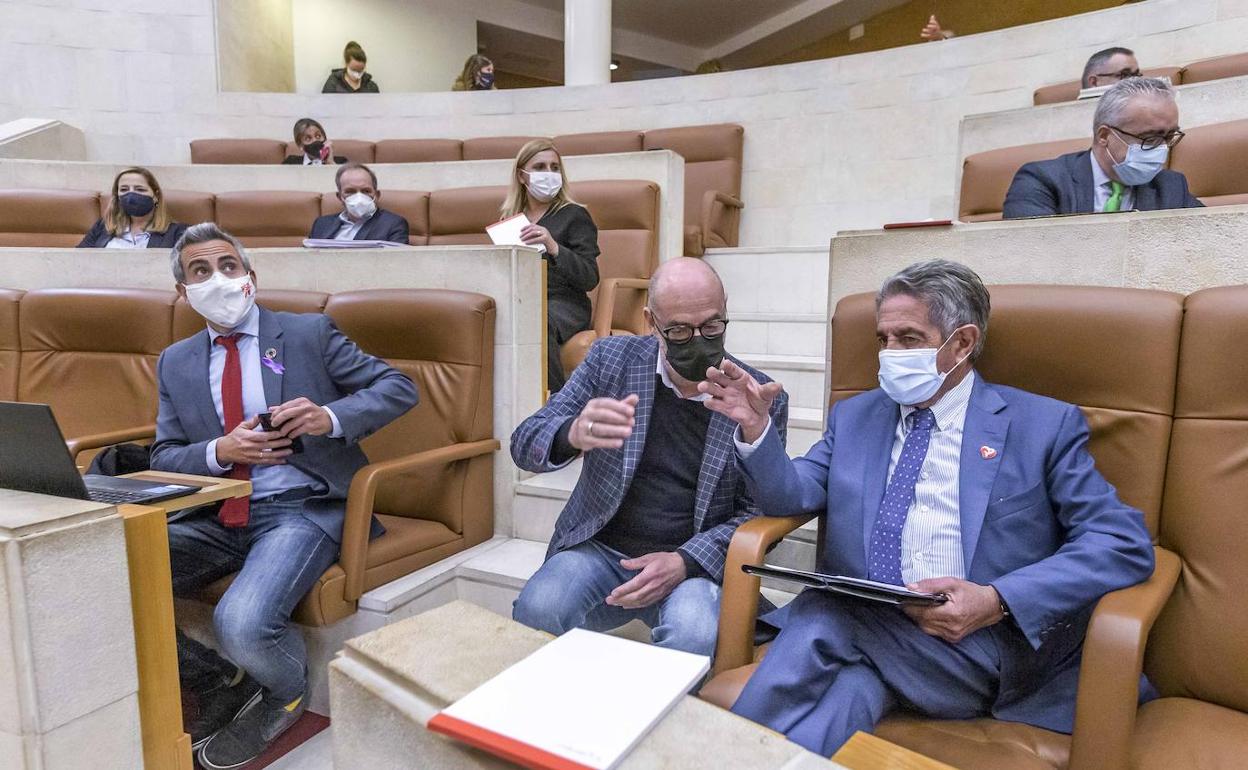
(1115, 197)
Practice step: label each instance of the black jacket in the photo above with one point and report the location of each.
(297, 160)
(572, 274)
(98, 237)
(1064, 186)
(382, 226)
(336, 83)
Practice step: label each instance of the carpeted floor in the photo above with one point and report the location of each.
(308, 725)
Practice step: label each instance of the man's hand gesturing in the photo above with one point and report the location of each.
(604, 423)
(739, 397)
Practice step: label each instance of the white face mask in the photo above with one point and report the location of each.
(224, 301)
(353, 74)
(910, 377)
(360, 206)
(545, 185)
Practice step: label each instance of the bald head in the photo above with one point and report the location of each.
(684, 289)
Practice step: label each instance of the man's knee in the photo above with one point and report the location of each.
(689, 617)
(242, 633)
(554, 599)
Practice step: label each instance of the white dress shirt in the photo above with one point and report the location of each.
(1103, 189)
(667, 380)
(128, 239)
(312, 161)
(266, 480)
(931, 541)
(347, 230)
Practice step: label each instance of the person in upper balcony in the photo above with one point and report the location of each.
(136, 216)
(478, 75)
(568, 237)
(1104, 68)
(316, 148)
(351, 77)
(361, 219)
(1135, 126)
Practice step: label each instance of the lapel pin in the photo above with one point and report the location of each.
(987, 452)
(271, 353)
(270, 364)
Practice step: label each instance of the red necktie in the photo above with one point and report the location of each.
(236, 510)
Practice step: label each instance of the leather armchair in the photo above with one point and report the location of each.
(573, 352)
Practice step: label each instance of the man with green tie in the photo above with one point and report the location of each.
(1136, 124)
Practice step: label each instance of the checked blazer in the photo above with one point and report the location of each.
(615, 368)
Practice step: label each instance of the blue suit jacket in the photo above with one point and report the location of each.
(1039, 523)
(615, 368)
(381, 226)
(321, 364)
(1064, 185)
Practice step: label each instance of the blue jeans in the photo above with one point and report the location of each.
(279, 556)
(569, 589)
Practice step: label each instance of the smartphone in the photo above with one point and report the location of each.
(266, 422)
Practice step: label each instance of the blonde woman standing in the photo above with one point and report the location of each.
(564, 229)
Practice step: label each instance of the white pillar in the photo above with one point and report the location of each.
(586, 42)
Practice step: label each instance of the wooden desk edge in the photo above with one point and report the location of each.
(867, 752)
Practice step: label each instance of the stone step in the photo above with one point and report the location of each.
(801, 376)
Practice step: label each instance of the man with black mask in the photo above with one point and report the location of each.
(645, 533)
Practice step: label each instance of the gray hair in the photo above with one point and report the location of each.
(1114, 101)
(1096, 60)
(953, 293)
(203, 233)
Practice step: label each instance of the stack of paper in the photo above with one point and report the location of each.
(330, 243)
(507, 232)
(582, 701)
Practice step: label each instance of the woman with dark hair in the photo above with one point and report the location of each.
(478, 75)
(136, 216)
(351, 77)
(317, 149)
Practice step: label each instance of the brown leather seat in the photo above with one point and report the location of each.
(712, 181)
(1216, 68)
(986, 176)
(1043, 339)
(599, 142)
(187, 207)
(10, 343)
(46, 217)
(412, 205)
(417, 150)
(1214, 158)
(1069, 91)
(495, 147)
(354, 150)
(268, 218)
(459, 216)
(238, 151)
(1198, 652)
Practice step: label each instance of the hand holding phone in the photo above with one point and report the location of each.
(266, 423)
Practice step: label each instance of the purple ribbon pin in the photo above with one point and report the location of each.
(273, 365)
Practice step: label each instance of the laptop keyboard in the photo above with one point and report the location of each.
(116, 496)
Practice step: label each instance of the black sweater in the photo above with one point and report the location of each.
(336, 83)
(574, 272)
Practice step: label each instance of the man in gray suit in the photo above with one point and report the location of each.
(322, 395)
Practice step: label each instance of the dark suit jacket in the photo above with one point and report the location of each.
(297, 160)
(1064, 186)
(98, 237)
(321, 364)
(382, 226)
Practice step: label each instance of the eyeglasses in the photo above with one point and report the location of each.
(1122, 74)
(1153, 141)
(679, 334)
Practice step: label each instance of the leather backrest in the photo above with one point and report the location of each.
(417, 150)
(268, 218)
(238, 151)
(459, 216)
(1216, 68)
(53, 218)
(412, 205)
(986, 176)
(91, 354)
(187, 322)
(712, 156)
(10, 343)
(1214, 158)
(1199, 646)
(599, 142)
(354, 150)
(495, 147)
(189, 208)
(1112, 351)
(627, 215)
(1069, 91)
(444, 341)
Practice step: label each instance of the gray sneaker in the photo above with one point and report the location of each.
(251, 732)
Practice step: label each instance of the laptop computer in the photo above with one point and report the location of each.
(34, 458)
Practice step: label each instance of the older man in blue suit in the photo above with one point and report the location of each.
(321, 392)
(945, 483)
(645, 533)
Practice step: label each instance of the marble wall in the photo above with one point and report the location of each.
(255, 45)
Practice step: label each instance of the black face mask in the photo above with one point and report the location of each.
(313, 149)
(691, 359)
(137, 204)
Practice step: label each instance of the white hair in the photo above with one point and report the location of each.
(1114, 102)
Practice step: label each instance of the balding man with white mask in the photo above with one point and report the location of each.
(1135, 126)
(645, 533)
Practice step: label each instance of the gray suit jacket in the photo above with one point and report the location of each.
(1064, 185)
(322, 365)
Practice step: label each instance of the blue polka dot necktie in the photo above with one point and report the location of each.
(884, 559)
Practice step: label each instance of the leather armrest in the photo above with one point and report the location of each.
(1113, 656)
(738, 606)
(363, 492)
(605, 311)
(82, 443)
(721, 214)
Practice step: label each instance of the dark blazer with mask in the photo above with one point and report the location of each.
(99, 236)
(381, 226)
(297, 160)
(1064, 185)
